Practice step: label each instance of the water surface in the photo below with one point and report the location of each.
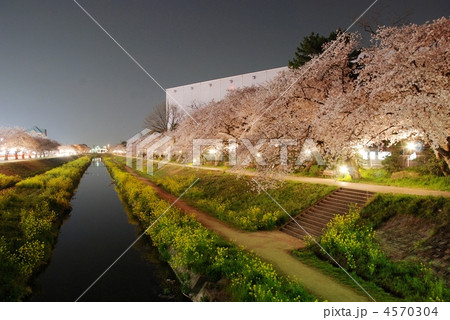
(97, 231)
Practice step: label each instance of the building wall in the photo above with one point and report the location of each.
(201, 93)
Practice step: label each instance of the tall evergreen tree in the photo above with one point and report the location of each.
(310, 46)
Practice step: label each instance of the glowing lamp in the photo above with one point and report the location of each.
(343, 170)
(411, 146)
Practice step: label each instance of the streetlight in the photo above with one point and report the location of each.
(343, 170)
(411, 146)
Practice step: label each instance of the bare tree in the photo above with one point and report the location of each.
(163, 118)
(384, 15)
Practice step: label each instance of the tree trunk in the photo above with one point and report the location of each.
(353, 168)
(443, 155)
(444, 152)
(309, 165)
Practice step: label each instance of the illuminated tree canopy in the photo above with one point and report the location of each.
(393, 90)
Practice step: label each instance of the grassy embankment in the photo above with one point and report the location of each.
(412, 225)
(237, 200)
(366, 254)
(12, 172)
(30, 216)
(407, 178)
(186, 244)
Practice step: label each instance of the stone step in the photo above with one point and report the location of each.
(348, 198)
(320, 212)
(293, 227)
(315, 219)
(328, 210)
(310, 227)
(329, 204)
(337, 201)
(367, 194)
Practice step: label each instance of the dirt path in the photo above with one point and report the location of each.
(272, 246)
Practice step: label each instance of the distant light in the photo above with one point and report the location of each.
(308, 152)
(232, 147)
(362, 151)
(212, 151)
(180, 151)
(343, 169)
(411, 146)
(258, 154)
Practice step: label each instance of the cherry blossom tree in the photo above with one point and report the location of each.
(401, 92)
(16, 140)
(393, 90)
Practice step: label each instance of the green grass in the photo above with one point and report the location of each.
(309, 258)
(30, 216)
(351, 241)
(382, 177)
(385, 206)
(12, 172)
(238, 200)
(8, 181)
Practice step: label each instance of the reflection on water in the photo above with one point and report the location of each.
(96, 233)
(97, 162)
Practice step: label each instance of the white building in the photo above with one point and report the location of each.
(201, 93)
(35, 131)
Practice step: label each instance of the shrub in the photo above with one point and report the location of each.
(8, 181)
(352, 244)
(37, 182)
(394, 162)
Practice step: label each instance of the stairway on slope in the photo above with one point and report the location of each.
(315, 219)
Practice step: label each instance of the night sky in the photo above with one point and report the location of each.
(60, 71)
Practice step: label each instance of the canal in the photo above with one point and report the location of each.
(96, 232)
